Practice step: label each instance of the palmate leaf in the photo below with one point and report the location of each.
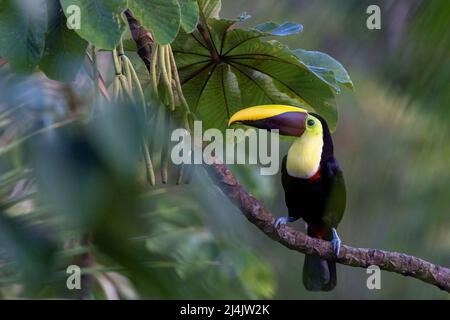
(249, 71)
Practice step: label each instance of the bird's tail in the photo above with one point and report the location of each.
(318, 274)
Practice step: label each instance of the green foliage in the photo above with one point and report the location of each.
(31, 249)
(237, 69)
(162, 17)
(424, 49)
(210, 8)
(327, 68)
(210, 264)
(64, 49)
(87, 184)
(22, 32)
(102, 23)
(189, 14)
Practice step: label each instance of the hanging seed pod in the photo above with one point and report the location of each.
(178, 83)
(165, 148)
(136, 84)
(149, 170)
(136, 87)
(117, 85)
(126, 85)
(116, 88)
(153, 68)
(125, 66)
(181, 169)
(117, 65)
(167, 59)
(190, 169)
(125, 88)
(147, 149)
(165, 76)
(127, 71)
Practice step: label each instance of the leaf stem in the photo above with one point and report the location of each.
(206, 35)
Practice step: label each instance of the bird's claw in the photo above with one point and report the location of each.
(336, 243)
(283, 220)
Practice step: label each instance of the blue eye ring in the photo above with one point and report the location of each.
(310, 122)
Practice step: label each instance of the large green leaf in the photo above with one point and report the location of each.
(249, 71)
(162, 17)
(325, 67)
(64, 49)
(101, 21)
(189, 14)
(23, 25)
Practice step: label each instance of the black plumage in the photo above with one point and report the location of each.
(320, 201)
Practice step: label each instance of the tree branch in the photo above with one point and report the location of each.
(295, 240)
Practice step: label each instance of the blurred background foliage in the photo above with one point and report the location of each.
(94, 209)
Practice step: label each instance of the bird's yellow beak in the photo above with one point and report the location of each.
(289, 120)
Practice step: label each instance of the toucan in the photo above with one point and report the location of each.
(312, 180)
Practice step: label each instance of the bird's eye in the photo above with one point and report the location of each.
(311, 122)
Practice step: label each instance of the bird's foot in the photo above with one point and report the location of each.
(283, 220)
(336, 242)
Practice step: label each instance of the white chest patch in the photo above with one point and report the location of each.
(303, 159)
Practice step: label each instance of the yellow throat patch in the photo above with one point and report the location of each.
(303, 159)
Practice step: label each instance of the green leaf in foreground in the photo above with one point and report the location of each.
(327, 68)
(162, 17)
(64, 49)
(22, 32)
(249, 71)
(101, 20)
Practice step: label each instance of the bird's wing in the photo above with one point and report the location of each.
(284, 174)
(290, 194)
(337, 195)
